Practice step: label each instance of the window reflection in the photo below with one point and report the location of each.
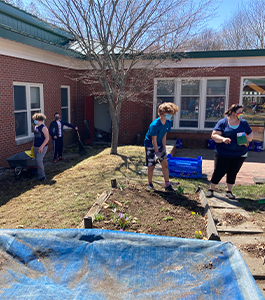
(189, 108)
(254, 100)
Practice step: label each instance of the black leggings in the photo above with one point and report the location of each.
(228, 166)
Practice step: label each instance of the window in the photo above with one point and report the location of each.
(253, 95)
(65, 103)
(201, 101)
(28, 99)
(189, 103)
(215, 102)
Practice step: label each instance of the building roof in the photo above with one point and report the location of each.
(23, 27)
(20, 26)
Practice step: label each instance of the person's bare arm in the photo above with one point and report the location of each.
(154, 142)
(218, 138)
(46, 135)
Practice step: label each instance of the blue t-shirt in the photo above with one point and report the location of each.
(157, 129)
(232, 149)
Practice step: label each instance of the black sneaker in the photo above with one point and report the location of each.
(151, 187)
(43, 179)
(229, 195)
(169, 188)
(209, 194)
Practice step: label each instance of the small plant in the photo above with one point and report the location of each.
(126, 202)
(180, 190)
(98, 218)
(198, 234)
(195, 214)
(123, 220)
(168, 218)
(122, 186)
(164, 209)
(112, 205)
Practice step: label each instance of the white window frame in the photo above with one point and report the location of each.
(241, 97)
(68, 102)
(202, 101)
(28, 109)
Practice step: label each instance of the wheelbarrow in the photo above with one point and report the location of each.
(19, 162)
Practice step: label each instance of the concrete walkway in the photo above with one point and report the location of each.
(243, 233)
(253, 167)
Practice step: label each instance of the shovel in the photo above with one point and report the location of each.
(82, 149)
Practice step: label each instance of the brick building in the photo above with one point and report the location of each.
(38, 71)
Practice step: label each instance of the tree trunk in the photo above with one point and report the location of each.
(114, 138)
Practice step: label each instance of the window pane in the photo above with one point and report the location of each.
(165, 87)
(189, 110)
(254, 100)
(64, 97)
(190, 87)
(35, 97)
(216, 87)
(210, 124)
(21, 124)
(187, 123)
(65, 114)
(215, 107)
(161, 100)
(20, 97)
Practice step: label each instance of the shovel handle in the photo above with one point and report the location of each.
(78, 135)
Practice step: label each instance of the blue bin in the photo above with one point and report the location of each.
(250, 146)
(210, 144)
(257, 146)
(179, 143)
(184, 167)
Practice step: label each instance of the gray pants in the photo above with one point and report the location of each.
(39, 160)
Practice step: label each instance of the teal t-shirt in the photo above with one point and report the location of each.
(157, 129)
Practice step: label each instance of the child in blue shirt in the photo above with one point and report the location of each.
(155, 143)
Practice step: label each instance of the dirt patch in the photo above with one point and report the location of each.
(233, 219)
(255, 250)
(132, 207)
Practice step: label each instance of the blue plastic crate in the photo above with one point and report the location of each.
(184, 167)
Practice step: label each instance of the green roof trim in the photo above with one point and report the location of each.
(17, 37)
(22, 16)
(224, 53)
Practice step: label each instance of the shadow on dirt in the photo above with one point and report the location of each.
(174, 198)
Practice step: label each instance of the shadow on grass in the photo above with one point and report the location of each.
(129, 161)
(251, 205)
(11, 187)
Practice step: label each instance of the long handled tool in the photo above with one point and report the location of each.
(82, 149)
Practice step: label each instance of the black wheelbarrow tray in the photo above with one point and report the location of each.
(20, 161)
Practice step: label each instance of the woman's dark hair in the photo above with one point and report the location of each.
(233, 108)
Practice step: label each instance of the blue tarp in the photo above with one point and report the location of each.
(102, 264)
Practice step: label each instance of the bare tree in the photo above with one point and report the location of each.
(246, 28)
(207, 40)
(115, 35)
(17, 3)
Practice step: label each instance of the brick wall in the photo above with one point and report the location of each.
(52, 78)
(136, 113)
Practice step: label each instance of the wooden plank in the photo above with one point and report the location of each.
(231, 229)
(95, 209)
(259, 180)
(219, 201)
(212, 233)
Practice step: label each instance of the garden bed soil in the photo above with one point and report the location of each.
(132, 207)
